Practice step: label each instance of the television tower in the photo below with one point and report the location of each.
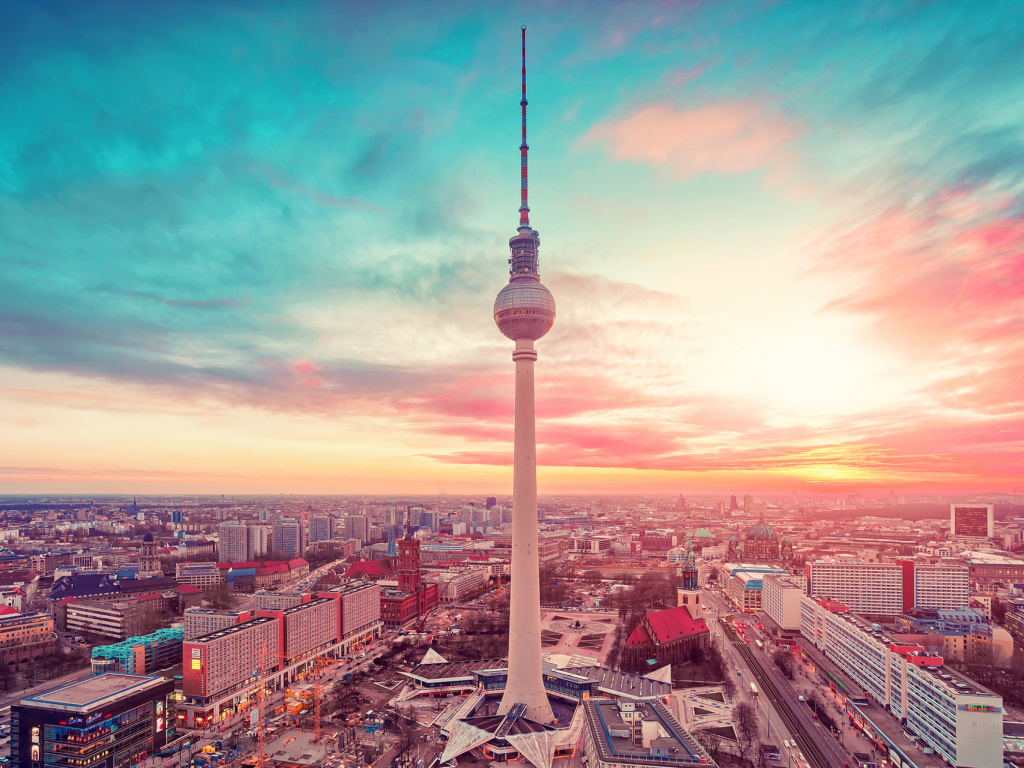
(524, 311)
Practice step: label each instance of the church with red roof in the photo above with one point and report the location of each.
(667, 636)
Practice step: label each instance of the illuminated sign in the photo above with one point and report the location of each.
(159, 724)
(35, 751)
(980, 708)
(35, 735)
(159, 707)
(197, 663)
(197, 653)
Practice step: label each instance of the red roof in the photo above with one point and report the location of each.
(187, 589)
(368, 568)
(297, 562)
(6, 610)
(639, 636)
(674, 624)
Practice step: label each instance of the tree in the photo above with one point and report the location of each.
(744, 717)
(998, 610)
(696, 655)
(784, 661)
(220, 596)
(710, 741)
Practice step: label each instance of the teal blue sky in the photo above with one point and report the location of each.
(785, 240)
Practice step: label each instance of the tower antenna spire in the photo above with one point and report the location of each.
(524, 148)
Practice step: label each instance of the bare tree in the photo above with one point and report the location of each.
(744, 717)
(784, 661)
(710, 741)
(220, 596)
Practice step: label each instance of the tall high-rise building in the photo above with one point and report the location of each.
(491, 501)
(732, 503)
(233, 545)
(525, 311)
(288, 538)
(321, 528)
(260, 541)
(358, 527)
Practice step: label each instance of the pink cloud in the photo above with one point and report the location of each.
(680, 77)
(723, 137)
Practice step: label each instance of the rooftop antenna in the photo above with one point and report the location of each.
(524, 148)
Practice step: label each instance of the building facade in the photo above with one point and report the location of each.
(203, 621)
(107, 721)
(26, 639)
(972, 521)
(950, 713)
(233, 545)
(780, 599)
(199, 575)
(874, 589)
(289, 539)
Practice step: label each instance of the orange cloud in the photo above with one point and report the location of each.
(724, 137)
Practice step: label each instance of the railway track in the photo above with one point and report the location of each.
(783, 706)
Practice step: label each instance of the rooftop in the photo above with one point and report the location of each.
(664, 740)
(456, 670)
(233, 629)
(92, 692)
(623, 683)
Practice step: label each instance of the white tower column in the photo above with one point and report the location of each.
(525, 675)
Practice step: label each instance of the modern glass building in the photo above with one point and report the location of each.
(106, 721)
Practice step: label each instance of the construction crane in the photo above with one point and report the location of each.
(261, 726)
(318, 694)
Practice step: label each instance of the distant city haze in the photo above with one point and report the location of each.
(254, 251)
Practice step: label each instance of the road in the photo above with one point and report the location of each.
(792, 718)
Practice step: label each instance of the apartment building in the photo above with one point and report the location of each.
(780, 599)
(224, 662)
(199, 575)
(950, 713)
(277, 601)
(25, 638)
(592, 545)
(114, 619)
(233, 543)
(944, 587)
(456, 585)
(874, 589)
(203, 621)
(289, 537)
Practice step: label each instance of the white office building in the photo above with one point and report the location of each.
(946, 587)
(875, 589)
(961, 721)
(780, 599)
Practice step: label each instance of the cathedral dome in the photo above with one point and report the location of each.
(761, 531)
(148, 537)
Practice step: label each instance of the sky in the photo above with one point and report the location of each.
(254, 247)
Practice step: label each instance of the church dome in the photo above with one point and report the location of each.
(148, 537)
(702, 533)
(733, 541)
(761, 531)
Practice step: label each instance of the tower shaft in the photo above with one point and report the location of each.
(525, 675)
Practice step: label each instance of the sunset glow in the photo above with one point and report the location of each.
(254, 249)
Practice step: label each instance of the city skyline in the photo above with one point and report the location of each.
(248, 250)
